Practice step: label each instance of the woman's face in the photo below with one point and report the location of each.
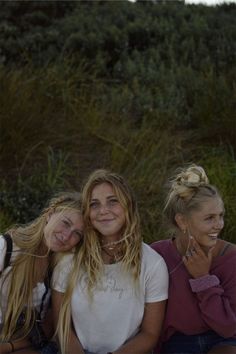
(206, 224)
(107, 215)
(63, 230)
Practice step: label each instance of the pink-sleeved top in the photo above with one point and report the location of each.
(194, 311)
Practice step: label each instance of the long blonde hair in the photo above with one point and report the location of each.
(89, 259)
(23, 275)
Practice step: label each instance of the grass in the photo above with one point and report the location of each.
(56, 129)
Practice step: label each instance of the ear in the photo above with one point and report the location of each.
(181, 221)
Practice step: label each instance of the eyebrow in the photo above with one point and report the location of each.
(108, 197)
(212, 214)
(70, 221)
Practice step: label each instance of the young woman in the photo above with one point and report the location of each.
(118, 286)
(26, 262)
(201, 311)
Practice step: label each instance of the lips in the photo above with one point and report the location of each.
(105, 221)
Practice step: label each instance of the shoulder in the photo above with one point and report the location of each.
(3, 249)
(148, 251)
(162, 246)
(61, 273)
(151, 257)
(64, 262)
(226, 248)
(2, 242)
(155, 275)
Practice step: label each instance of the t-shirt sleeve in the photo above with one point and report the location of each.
(3, 250)
(61, 273)
(157, 282)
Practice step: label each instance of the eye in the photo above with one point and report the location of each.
(66, 223)
(210, 217)
(113, 201)
(93, 205)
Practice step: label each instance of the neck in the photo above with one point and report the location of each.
(111, 256)
(181, 242)
(112, 243)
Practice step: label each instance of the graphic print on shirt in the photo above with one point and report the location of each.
(111, 284)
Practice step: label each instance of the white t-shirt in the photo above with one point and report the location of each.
(117, 309)
(38, 291)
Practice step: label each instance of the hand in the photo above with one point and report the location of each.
(196, 261)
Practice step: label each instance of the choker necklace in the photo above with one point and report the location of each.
(112, 245)
(114, 258)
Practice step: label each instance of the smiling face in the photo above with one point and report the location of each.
(106, 213)
(206, 223)
(63, 230)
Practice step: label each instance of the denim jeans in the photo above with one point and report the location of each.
(180, 343)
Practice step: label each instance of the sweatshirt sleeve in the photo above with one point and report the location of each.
(218, 302)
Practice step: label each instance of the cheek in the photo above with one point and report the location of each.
(91, 214)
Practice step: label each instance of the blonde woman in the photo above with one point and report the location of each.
(116, 293)
(201, 311)
(26, 261)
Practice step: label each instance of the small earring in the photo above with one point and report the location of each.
(184, 231)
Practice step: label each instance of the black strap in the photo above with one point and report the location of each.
(226, 247)
(8, 240)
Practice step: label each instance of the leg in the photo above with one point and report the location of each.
(223, 349)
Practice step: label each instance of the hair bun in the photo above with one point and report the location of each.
(187, 180)
(195, 176)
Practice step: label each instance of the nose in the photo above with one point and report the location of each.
(66, 235)
(103, 209)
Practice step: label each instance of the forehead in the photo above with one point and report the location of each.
(212, 205)
(102, 190)
(69, 213)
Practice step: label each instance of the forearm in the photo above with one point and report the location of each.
(142, 343)
(74, 345)
(217, 307)
(218, 313)
(11, 346)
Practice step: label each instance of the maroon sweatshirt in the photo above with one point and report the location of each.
(199, 305)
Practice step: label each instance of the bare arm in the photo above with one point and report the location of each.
(74, 346)
(148, 335)
(6, 347)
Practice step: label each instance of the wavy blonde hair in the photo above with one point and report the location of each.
(29, 238)
(189, 188)
(89, 259)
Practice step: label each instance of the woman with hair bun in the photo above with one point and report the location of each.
(28, 254)
(201, 310)
(115, 299)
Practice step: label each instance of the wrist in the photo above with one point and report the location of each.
(203, 283)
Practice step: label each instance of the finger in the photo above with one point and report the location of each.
(197, 248)
(185, 260)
